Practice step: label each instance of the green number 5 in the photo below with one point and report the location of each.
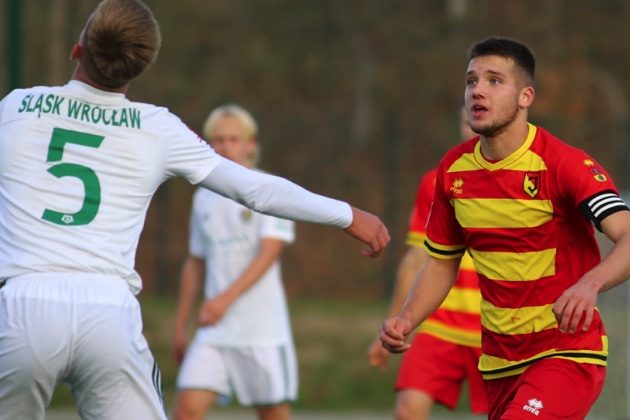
(92, 187)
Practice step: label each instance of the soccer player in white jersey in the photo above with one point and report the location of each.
(243, 344)
(79, 164)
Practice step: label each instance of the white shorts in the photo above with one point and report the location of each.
(258, 375)
(84, 330)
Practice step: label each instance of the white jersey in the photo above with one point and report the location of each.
(78, 167)
(228, 236)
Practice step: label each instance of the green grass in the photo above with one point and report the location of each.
(332, 338)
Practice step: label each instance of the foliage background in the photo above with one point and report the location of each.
(355, 99)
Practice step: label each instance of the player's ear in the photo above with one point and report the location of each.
(526, 97)
(76, 51)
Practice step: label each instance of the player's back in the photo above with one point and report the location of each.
(78, 167)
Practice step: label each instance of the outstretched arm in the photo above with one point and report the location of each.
(282, 198)
(431, 287)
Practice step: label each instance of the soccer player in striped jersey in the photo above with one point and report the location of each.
(525, 205)
(79, 164)
(446, 349)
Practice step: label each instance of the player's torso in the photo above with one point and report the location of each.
(77, 173)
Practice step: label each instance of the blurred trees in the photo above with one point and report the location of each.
(355, 99)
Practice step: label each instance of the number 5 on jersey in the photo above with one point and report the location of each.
(91, 184)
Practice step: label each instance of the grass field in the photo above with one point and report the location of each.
(332, 338)
(335, 381)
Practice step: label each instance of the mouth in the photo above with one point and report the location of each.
(477, 111)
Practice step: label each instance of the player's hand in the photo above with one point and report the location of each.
(377, 355)
(212, 310)
(394, 333)
(179, 346)
(575, 307)
(370, 230)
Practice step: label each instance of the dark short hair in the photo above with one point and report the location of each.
(507, 48)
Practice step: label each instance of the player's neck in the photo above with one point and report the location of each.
(80, 75)
(498, 147)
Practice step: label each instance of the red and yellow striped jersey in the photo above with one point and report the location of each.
(527, 221)
(457, 320)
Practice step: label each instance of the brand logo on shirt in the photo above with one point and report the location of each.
(533, 406)
(457, 185)
(246, 215)
(531, 183)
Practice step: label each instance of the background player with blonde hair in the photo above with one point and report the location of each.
(79, 164)
(243, 344)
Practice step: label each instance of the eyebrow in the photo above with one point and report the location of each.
(491, 72)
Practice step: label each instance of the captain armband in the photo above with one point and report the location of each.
(601, 205)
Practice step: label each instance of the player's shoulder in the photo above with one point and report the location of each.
(456, 152)
(554, 150)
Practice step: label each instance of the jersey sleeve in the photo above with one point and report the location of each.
(416, 232)
(445, 237)
(276, 228)
(196, 241)
(188, 155)
(589, 187)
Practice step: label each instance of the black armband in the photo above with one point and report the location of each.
(601, 205)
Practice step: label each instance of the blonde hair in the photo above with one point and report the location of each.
(120, 41)
(243, 117)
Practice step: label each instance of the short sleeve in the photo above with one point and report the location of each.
(188, 155)
(416, 232)
(445, 236)
(276, 228)
(589, 187)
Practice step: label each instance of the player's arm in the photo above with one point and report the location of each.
(435, 279)
(577, 303)
(191, 278)
(408, 269)
(280, 197)
(214, 309)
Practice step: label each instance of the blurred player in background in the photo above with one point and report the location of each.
(446, 348)
(243, 344)
(79, 164)
(524, 204)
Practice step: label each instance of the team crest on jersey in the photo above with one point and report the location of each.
(599, 177)
(457, 186)
(246, 215)
(531, 183)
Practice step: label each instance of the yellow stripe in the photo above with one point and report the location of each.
(467, 263)
(465, 162)
(451, 334)
(488, 364)
(515, 266)
(415, 238)
(510, 321)
(502, 212)
(462, 300)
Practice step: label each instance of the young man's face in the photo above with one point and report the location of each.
(493, 95)
(231, 140)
